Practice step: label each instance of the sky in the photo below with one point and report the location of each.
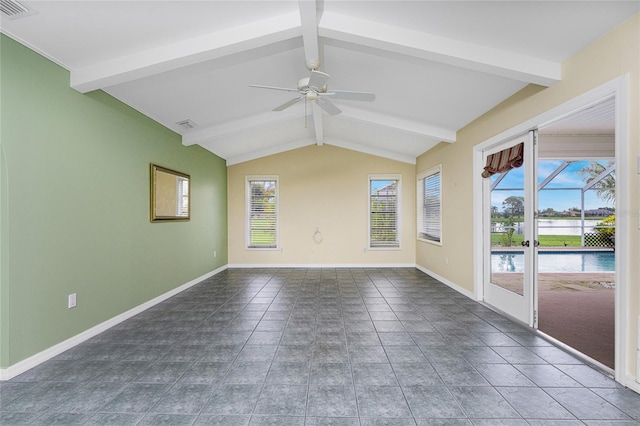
(559, 200)
(376, 184)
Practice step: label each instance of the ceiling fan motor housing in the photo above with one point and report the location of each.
(303, 87)
(314, 89)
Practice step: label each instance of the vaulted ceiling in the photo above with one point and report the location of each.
(434, 66)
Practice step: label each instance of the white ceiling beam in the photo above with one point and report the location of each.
(309, 22)
(353, 146)
(439, 49)
(188, 52)
(205, 134)
(254, 155)
(397, 123)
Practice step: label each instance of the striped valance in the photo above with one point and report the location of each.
(504, 160)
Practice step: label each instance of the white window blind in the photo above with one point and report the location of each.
(384, 212)
(430, 205)
(262, 215)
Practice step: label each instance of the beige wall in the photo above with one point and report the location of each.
(321, 187)
(612, 56)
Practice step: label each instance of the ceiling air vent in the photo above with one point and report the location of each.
(186, 124)
(14, 10)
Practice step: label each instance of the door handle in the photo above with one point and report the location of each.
(525, 243)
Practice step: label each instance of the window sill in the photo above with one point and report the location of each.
(383, 248)
(435, 243)
(262, 248)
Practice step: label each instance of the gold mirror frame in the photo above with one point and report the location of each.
(170, 195)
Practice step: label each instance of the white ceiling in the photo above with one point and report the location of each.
(434, 66)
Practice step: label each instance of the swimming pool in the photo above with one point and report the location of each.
(556, 261)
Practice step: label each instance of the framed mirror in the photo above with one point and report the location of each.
(170, 192)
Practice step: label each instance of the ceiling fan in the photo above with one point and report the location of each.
(314, 89)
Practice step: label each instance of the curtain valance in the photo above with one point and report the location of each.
(504, 160)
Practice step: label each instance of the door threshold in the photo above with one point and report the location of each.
(608, 371)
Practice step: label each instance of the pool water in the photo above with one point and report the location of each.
(554, 261)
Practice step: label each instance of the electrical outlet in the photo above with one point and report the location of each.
(446, 260)
(72, 301)
(215, 253)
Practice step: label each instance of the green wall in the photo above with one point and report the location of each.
(74, 213)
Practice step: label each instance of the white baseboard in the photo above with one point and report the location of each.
(448, 283)
(27, 364)
(321, 265)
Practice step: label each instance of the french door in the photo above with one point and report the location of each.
(510, 235)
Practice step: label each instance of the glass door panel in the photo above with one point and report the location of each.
(507, 230)
(509, 201)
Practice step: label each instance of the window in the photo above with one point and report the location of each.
(384, 195)
(430, 205)
(262, 212)
(182, 200)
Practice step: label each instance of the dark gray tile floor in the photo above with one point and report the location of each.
(316, 347)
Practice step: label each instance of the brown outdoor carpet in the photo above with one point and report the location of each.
(582, 318)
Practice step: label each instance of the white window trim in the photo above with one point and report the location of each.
(419, 198)
(397, 177)
(247, 209)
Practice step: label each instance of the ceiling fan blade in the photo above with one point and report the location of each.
(351, 96)
(273, 88)
(318, 79)
(288, 103)
(328, 106)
